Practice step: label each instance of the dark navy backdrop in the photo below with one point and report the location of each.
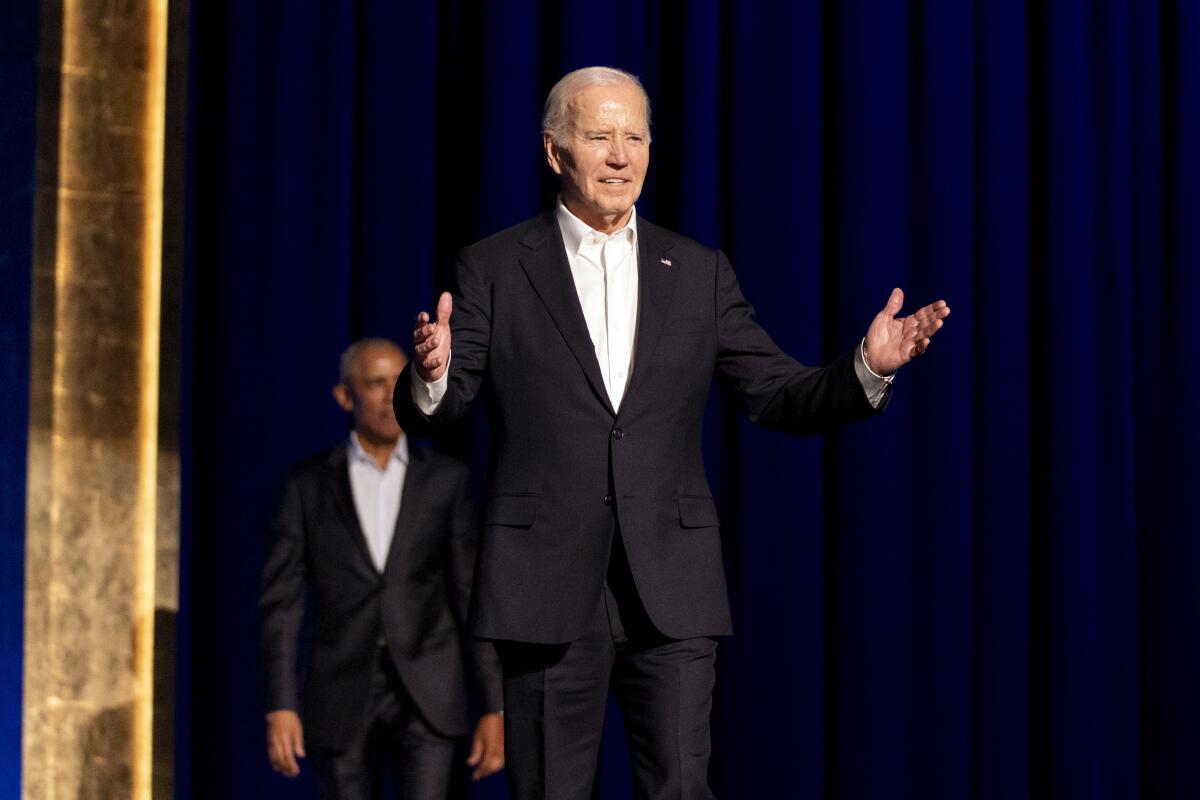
(18, 95)
(990, 591)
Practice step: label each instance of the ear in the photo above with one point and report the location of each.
(553, 158)
(342, 396)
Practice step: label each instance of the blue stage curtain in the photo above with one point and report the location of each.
(991, 591)
(18, 139)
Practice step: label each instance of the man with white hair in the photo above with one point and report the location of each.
(599, 335)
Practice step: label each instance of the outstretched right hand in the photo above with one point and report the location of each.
(431, 341)
(285, 741)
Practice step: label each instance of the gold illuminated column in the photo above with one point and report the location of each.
(103, 522)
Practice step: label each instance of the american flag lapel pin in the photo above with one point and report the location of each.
(666, 262)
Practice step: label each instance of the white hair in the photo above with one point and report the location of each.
(556, 115)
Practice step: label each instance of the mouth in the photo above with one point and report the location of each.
(614, 181)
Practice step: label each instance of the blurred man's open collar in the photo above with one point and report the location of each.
(358, 453)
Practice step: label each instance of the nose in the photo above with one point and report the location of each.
(618, 156)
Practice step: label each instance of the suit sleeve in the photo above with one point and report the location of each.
(482, 659)
(773, 389)
(281, 602)
(470, 337)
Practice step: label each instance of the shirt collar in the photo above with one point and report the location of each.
(574, 230)
(359, 454)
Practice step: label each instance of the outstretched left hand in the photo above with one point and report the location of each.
(892, 342)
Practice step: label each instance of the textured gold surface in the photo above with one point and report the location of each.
(101, 552)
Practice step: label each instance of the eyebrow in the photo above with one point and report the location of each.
(606, 131)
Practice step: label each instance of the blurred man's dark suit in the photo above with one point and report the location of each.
(416, 607)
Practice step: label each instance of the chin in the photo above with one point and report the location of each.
(616, 208)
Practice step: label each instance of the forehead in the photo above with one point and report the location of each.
(378, 359)
(608, 105)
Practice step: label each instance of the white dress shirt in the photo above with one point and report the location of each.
(605, 270)
(377, 495)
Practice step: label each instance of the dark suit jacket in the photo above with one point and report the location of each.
(418, 604)
(562, 456)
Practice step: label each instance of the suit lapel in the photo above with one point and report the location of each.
(550, 273)
(416, 476)
(339, 485)
(656, 287)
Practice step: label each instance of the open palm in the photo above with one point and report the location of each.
(894, 341)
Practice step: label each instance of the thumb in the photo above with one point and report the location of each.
(445, 307)
(476, 751)
(894, 303)
(298, 743)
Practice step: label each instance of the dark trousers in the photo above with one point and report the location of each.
(420, 758)
(555, 697)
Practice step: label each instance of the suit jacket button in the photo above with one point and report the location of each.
(618, 433)
(608, 499)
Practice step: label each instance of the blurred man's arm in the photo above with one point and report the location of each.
(281, 611)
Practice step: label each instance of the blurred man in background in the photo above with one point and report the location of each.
(378, 536)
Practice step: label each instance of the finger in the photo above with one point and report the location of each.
(894, 303)
(420, 321)
(445, 307)
(490, 766)
(929, 327)
(285, 745)
(476, 751)
(938, 310)
(287, 763)
(298, 744)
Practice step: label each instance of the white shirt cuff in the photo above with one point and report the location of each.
(428, 395)
(874, 384)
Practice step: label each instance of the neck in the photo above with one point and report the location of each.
(604, 223)
(380, 450)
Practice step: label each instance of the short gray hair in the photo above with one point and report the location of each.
(349, 359)
(555, 114)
